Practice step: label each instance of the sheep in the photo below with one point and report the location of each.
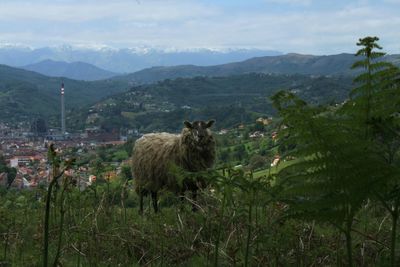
(153, 155)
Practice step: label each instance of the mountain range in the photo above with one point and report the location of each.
(283, 64)
(125, 60)
(73, 70)
(25, 94)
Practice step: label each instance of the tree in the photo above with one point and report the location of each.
(11, 172)
(363, 99)
(259, 126)
(126, 172)
(323, 184)
(378, 95)
(224, 155)
(257, 162)
(345, 155)
(375, 105)
(240, 152)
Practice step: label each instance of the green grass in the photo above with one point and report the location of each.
(103, 228)
(273, 170)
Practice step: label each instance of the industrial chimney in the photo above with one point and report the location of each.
(62, 110)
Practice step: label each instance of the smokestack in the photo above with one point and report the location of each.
(62, 110)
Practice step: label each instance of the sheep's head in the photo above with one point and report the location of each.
(200, 131)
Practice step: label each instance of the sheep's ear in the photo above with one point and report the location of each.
(188, 124)
(210, 123)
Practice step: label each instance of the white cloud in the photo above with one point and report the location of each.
(192, 24)
(90, 10)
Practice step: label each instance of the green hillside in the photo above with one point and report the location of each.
(230, 100)
(285, 64)
(25, 94)
(160, 106)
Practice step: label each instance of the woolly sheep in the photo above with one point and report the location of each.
(153, 155)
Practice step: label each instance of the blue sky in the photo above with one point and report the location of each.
(303, 26)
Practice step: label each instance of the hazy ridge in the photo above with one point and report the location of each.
(74, 70)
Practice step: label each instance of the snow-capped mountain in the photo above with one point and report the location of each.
(125, 60)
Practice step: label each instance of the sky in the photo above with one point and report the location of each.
(301, 26)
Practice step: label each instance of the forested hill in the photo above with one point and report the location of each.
(26, 94)
(73, 70)
(230, 99)
(286, 64)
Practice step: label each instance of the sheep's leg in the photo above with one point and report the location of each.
(141, 203)
(154, 198)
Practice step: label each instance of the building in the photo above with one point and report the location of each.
(17, 161)
(264, 121)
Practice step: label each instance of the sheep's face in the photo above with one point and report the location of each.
(200, 130)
